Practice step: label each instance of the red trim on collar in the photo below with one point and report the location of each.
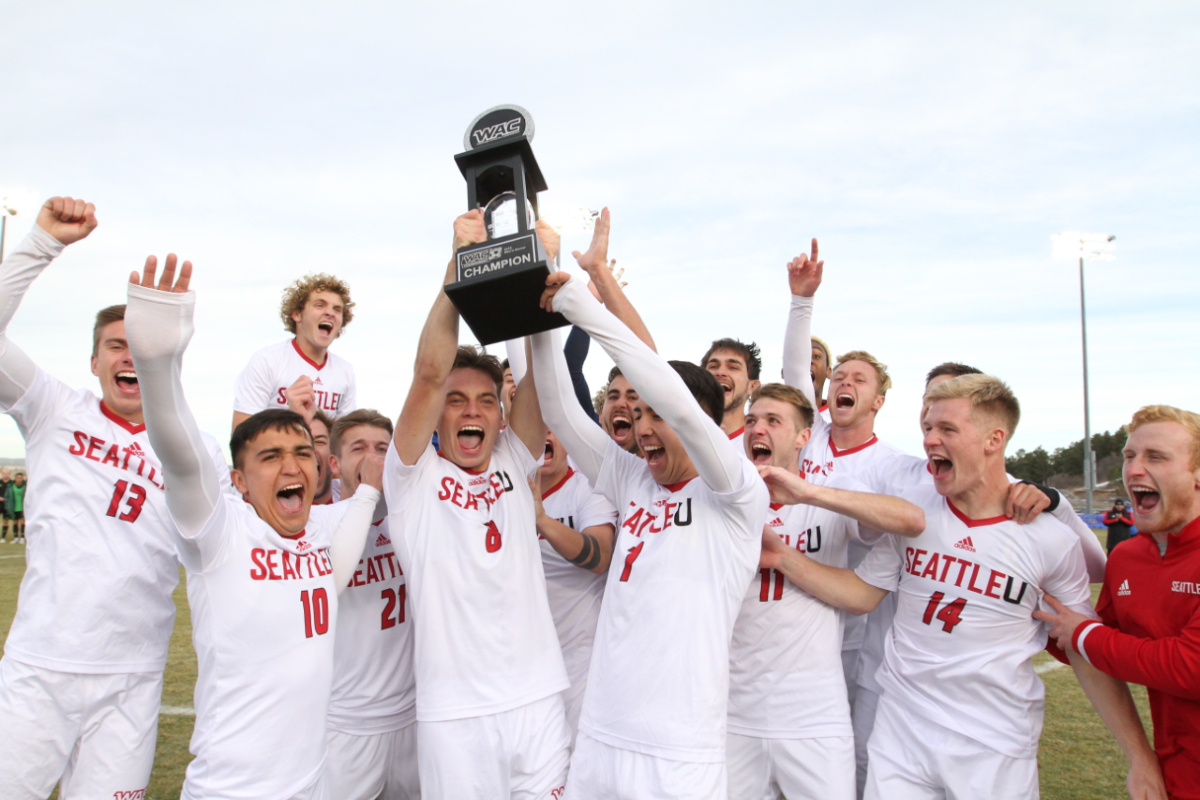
(124, 423)
(306, 358)
(558, 485)
(975, 523)
(377, 523)
(328, 502)
(738, 432)
(675, 487)
(839, 453)
(464, 469)
(824, 407)
(295, 538)
(776, 506)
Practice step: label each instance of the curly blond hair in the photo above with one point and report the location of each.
(295, 298)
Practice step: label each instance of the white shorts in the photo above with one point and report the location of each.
(520, 754)
(800, 769)
(94, 733)
(378, 765)
(862, 716)
(913, 758)
(602, 772)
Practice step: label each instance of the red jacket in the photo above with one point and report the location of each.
(1150, 605)
(1113, 518)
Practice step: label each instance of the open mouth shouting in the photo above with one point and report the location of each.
(760, 453)
(291, 498)
(470, 439)
(940, 466)
(1145, 499)
(127, 383)
(325, 327)
(622, 427)
(844, 400)
(656, 455)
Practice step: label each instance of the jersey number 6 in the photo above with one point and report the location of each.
(492, 540)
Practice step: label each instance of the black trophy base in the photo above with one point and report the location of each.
(500, 283)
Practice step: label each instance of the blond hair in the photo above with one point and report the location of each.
(786, 394)
(885, 380)
(817, 342)
(295, 298)
(989, 395)
(1188, 419)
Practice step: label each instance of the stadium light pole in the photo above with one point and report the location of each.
(1073, 245)
(13, 202)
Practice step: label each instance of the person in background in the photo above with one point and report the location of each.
(1119, 521)
(14, 507)
(5, 480)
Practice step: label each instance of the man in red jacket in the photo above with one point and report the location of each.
(1150, 603)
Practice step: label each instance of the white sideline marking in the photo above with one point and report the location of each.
(22, 555)
(177, 711)
(1049, 666)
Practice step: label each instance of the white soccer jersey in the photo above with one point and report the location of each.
(374, 690)
(659, 680)
(785, 665)
(738, 438)
(264, 620)
(964, 634)
(96, 595)
(468, 545)
(574, 593)
(263, 383)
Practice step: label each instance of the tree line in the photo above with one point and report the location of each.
(1039, 466)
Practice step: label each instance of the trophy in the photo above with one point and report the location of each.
(500, 281)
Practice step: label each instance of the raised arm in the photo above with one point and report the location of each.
(576, 352)
(346, 548)
(585, 440)
(527, 422)
(159, 325)
(595, 263)
(435, 355)
(717, 461)
(879, 512)
(62, 221)
(804, 278)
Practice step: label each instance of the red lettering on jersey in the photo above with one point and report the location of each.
(150, 477)
(80, 441)
(323, 562)
(908, 554)
(93, 445)
(646, 523)
(111, 457)
(456, 498)
(931, 567)
(994, 583)
(259, 573)
(272, 565)
(444, 492)
(946, 562)
(356, 579)
(289, 574)
(916, 563)
(962, 568)
(472, 502)
(631, 522)
(971, 583)
(372, 573)
(281, 397)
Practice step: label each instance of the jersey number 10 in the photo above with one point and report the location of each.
(316, 612)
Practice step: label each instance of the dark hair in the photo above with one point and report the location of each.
(106, 316)
(613, 373)
(274, 419)
(951, 368)
(324, 419)
(748, 352)
(704, 388)
(471, 357)
(504, 365)
(363, 416)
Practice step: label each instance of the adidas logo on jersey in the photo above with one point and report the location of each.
(134, 449)
(302, 546)
(775, 523)
(1123, 589)
(382, 540)
(965, 544)
(317, 381)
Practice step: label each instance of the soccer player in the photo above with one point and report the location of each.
(372, 708)
(490, 720)
(691, 512)
(576, 528)
(81, 677)
(1150, 603)
(961, 711)
(315, 310)
(264, 573)
(736, 366)
(321, 427)
(616, 417)
(819, 370)
(789, 717)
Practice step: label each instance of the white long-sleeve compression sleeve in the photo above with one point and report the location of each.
(716, 459)
(515, 350)
(20, 268)
(346, 549)
(586, 442)
(159, 326)
(797, 348)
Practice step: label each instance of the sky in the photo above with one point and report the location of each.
(933, 148)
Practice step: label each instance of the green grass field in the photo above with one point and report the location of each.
(1078, 759)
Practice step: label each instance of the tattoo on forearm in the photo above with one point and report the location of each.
(589, 554)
